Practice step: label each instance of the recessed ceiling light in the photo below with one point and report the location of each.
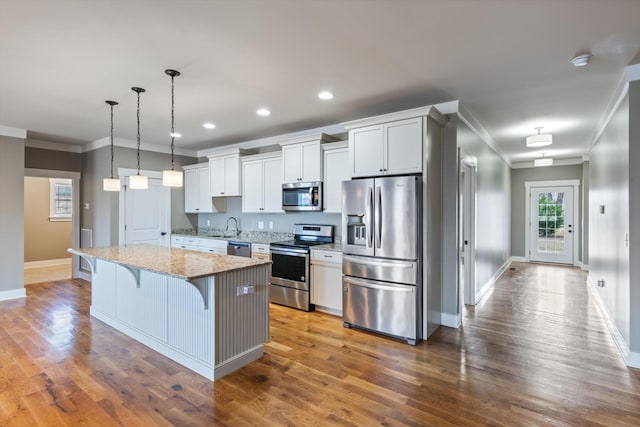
(175, 135)
(326, 95)
(581, 60)
(209, 125)
(263, 112)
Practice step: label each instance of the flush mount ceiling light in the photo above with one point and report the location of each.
(111, 184)
(263, 112)
(209, 125)
(325, 95)
(539, 140)
(543, 161)
(581, 60)
(138, 182)
(172, 177)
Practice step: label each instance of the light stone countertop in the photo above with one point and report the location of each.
(181, 263)
(331, 247)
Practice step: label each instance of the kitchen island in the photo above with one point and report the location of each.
(208, 312)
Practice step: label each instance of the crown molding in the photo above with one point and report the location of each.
(13, 132)
(144, 146)
(622, 88)
(632, 72)
(56, 146)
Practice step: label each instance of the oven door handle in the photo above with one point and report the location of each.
(302, 254)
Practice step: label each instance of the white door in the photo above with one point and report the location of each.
(552, 227)
(147, 214)
(467, 197)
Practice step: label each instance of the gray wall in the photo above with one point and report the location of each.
(493, 210)
(609, 185)
(493, 206)
(634, 215)
(11, 214)
(38, 158)
(249, 221)
(102, 215)
(518, 200)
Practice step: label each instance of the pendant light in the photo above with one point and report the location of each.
(111, 184)
(172, 177)
(138, 182)
(539, 140)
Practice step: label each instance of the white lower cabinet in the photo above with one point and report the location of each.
(260, 251)
(326, 281)
(213, 246)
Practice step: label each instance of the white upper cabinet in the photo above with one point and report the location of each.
(262, 183)
(336, 170)
(302, 158)
(225, 174)
(197, 193)
(386, 149)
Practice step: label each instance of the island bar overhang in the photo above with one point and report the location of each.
(208, 312)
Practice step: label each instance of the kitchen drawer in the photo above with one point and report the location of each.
(328, 257)
(214, 244)
(258, 255)
(177, 240)
(191, 241)
(214, 250)
(260, 248)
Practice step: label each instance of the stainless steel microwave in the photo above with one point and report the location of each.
(302, 196)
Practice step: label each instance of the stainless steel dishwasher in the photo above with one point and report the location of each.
(239, 249)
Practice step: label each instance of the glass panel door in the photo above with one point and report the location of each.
(552, 228)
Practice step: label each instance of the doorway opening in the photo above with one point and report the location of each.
(51, 224)
(467, 195)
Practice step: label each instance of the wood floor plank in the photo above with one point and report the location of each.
(534, 352)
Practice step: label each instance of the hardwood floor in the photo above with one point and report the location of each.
(534, 352)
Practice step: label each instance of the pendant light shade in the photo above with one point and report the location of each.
(138, 182)
(111, 183)
(172, 177)
(539, 140)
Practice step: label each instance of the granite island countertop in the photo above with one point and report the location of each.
(331, 247)
(182, 263)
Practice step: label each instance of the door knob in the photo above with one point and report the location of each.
(466, 242)
(163, 233)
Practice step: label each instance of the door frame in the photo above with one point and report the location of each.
(528, 185)
(75, 202)
(124, 173)
(467, 192)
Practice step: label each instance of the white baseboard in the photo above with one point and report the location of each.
(13, 294)
(47, 263)
(450, 320)
(519, 259)
(631, 359)
(484, 290)
(583, 267)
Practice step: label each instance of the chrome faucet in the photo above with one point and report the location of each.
(236, 225)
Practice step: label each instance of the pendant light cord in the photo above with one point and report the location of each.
(138, 122)
(111, 141)
(172, 119)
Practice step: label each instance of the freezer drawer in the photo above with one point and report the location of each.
(388, 270)
(388, 308)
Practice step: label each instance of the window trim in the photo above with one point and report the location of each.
(59, 217)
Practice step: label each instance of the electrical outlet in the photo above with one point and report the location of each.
(260, 225)
(208, 223)
(86, 205)
(601, 283)
(270, 225)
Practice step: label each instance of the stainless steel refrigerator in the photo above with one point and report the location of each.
(382, 255)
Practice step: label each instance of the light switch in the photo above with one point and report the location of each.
(270, 225)
(602, 209)
(260, 225)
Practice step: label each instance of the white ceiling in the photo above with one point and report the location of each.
(506, 61)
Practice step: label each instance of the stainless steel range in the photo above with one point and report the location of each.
(290, 272)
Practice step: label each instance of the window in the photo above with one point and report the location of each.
(60, 198)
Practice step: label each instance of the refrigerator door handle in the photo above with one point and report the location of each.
(378, 219)
(369, 214)
(379, 262)
(368, 284)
